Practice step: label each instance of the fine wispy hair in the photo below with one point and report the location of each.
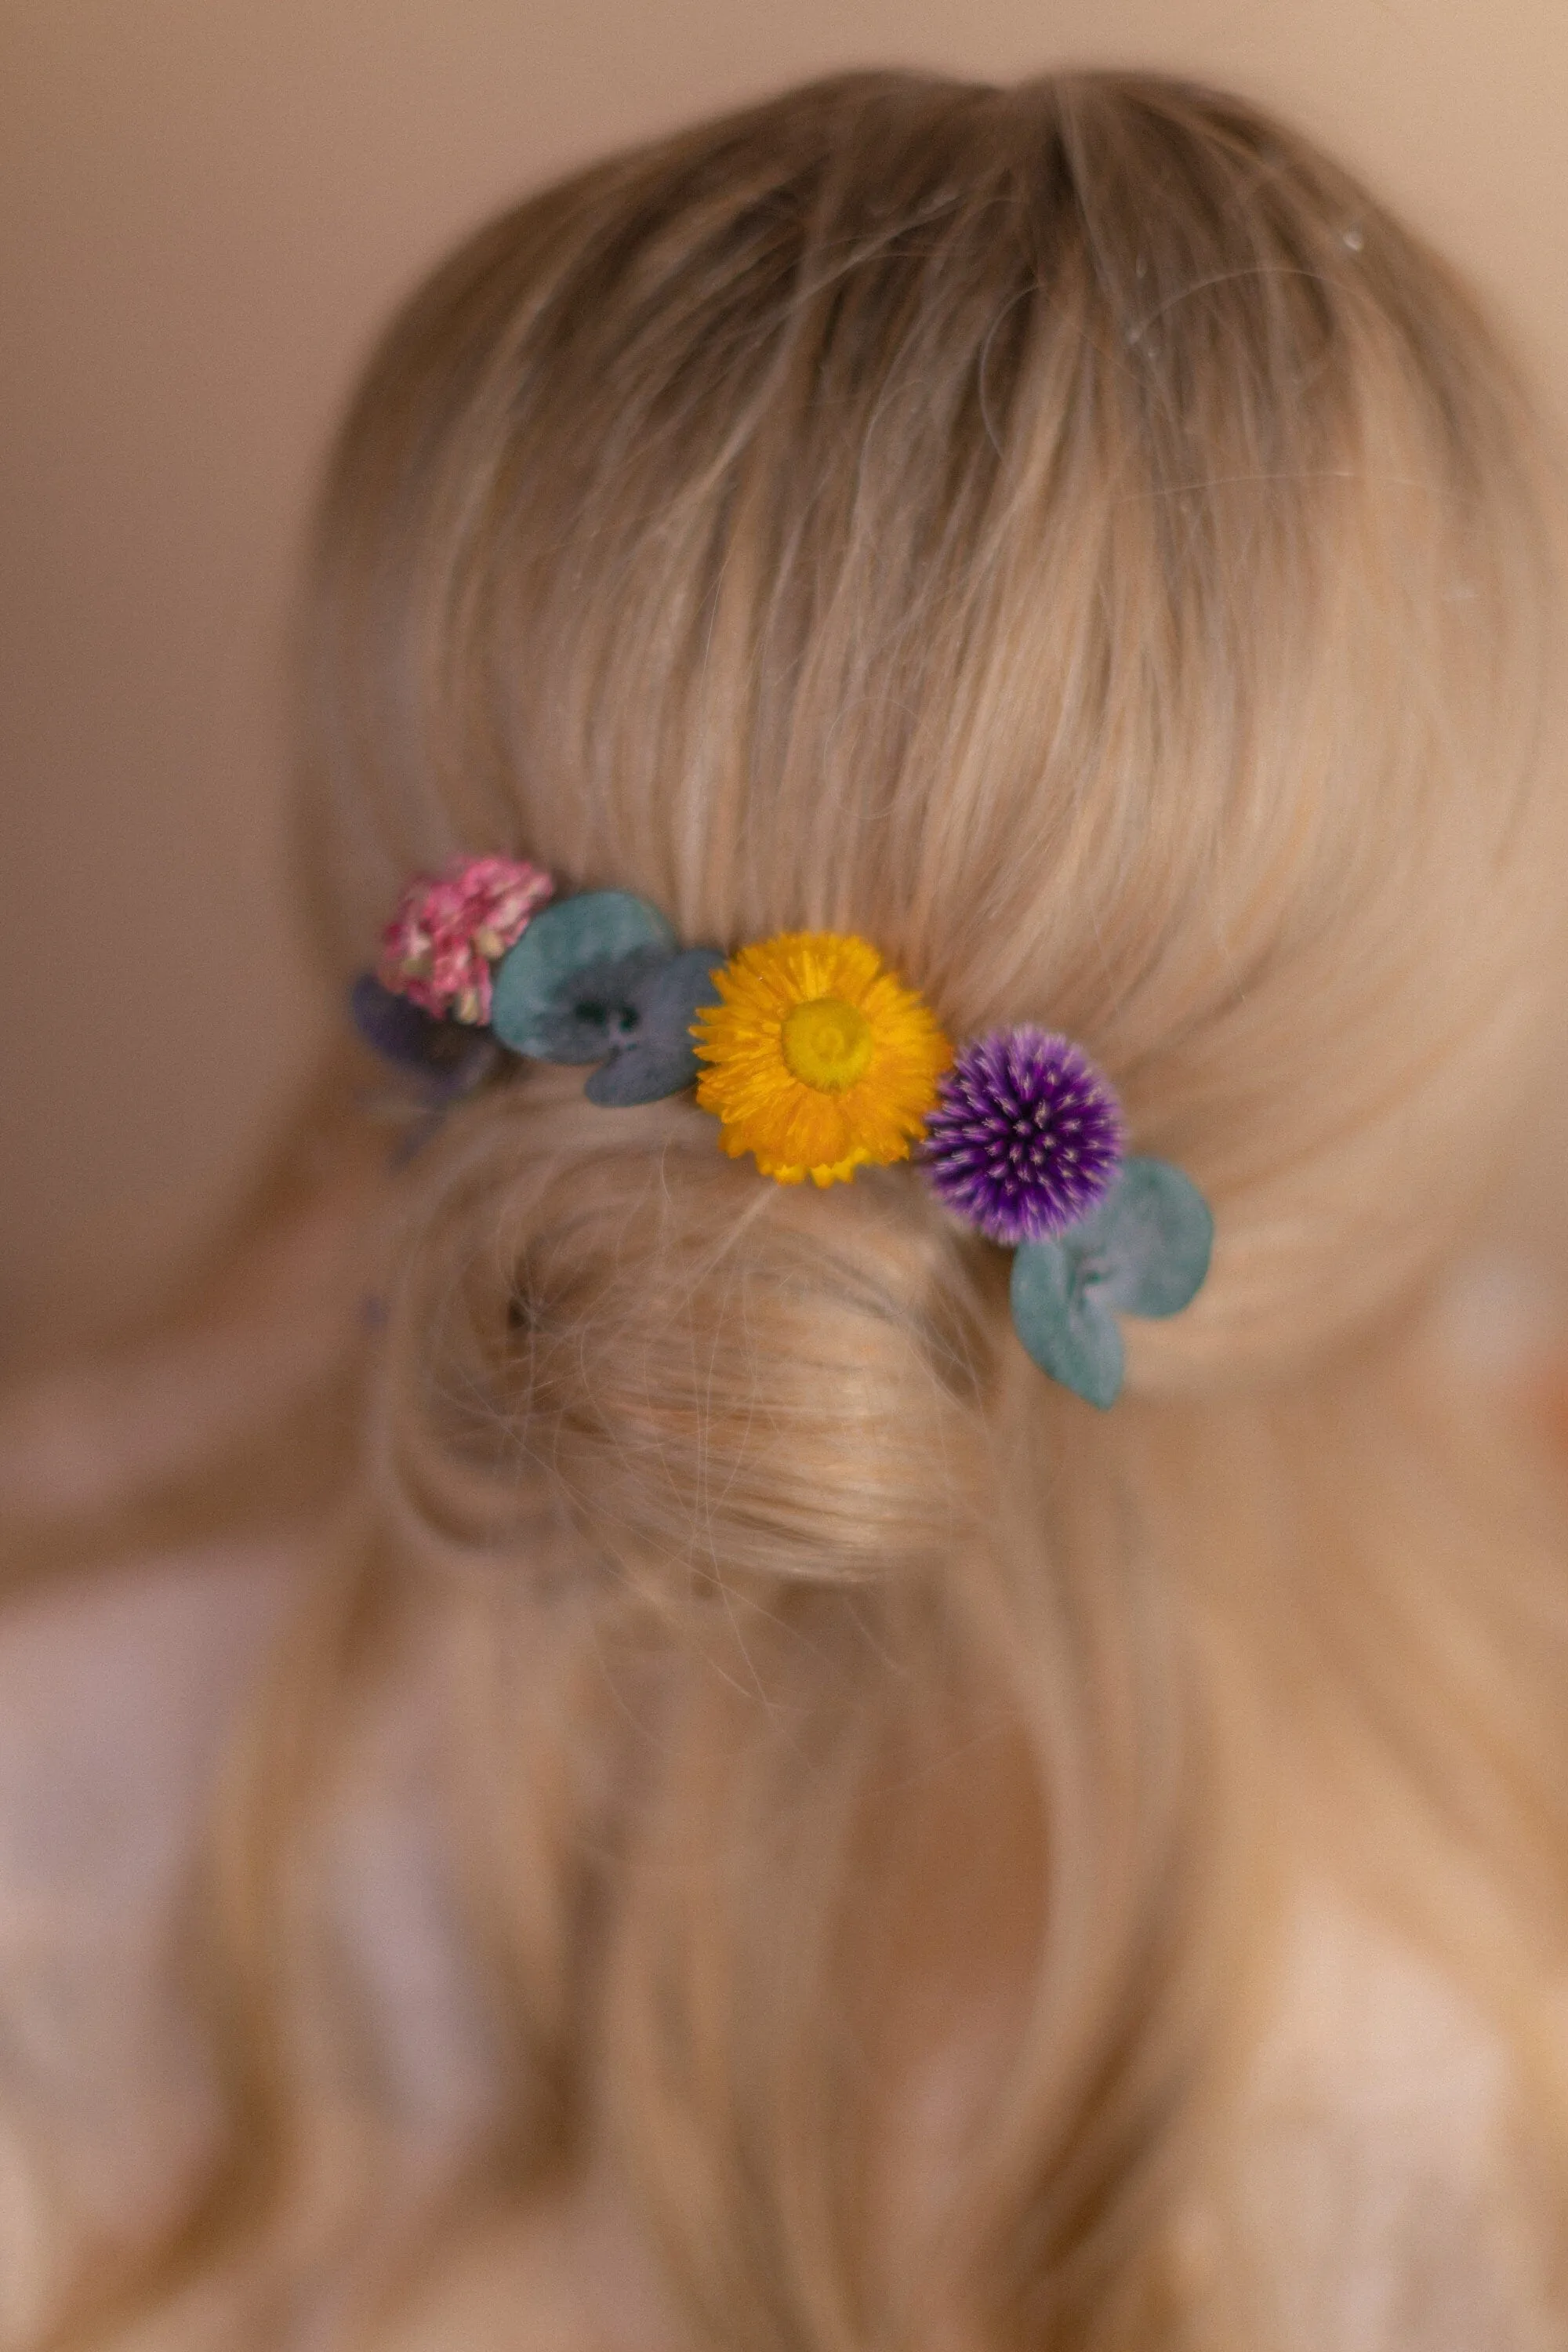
(1073, 536)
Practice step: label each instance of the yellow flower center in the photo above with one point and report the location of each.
(827, 1043)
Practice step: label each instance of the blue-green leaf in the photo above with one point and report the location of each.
(1145, 1251)
(598, 928)
(1064, 1322)
(598, 1008)
(654, 1052)
(1148, 1244)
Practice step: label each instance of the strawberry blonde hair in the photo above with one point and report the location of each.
(1071, 535)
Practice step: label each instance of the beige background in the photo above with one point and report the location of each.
(206, 205)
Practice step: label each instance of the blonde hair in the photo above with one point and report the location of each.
(1073, 536)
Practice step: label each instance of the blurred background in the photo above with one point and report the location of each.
(205, 208)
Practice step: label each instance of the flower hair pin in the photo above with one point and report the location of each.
(817, 1060)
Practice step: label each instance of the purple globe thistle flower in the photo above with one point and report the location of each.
(1027, 1136)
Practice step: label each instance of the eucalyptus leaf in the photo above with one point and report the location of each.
(1145, 1251)
(1149, 1242)
(654, 1052)
(599, 1008)
(1064, 1322)
(576, 934)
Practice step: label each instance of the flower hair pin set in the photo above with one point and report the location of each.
(818, 1060)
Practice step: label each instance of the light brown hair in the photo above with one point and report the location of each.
(1074, 537)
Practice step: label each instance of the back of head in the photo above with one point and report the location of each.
(1073, 537)
(1069, 533)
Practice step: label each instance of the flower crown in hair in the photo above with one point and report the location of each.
(816, 1059)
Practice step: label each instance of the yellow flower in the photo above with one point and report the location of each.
(818, 1059)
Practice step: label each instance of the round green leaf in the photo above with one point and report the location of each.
(656, 1052)
(1147, 1246)
(596, 927)
(1063, 1323)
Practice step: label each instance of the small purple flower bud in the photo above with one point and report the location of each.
(1027, 1137)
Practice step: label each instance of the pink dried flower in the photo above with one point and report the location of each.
(450, 928)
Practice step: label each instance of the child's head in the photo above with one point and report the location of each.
(1072, 537)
